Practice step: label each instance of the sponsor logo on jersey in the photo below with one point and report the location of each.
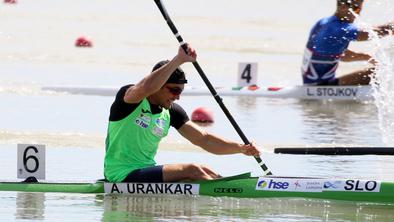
(159, 127)
(161, 123)
(143, 120)
(145, 111)
(158, 131)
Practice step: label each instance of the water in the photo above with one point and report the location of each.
(37, 49)
(384, 101)
(70, 165)
(382, 81)
(39, 206)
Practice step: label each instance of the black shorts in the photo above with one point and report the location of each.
(146, 175)
(331, 82)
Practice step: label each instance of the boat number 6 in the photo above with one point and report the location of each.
(31, 161)
(32, 157)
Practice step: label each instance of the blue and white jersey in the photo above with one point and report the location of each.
(328, 40)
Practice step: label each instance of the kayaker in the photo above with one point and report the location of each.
(141, 116)
(328, 46)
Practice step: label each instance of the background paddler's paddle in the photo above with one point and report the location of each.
(209, 85)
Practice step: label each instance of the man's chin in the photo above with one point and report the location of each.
(167, 105)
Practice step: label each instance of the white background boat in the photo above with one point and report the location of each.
(359, 93)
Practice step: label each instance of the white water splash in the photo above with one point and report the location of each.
(383, 84)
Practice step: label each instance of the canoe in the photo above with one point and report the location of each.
(335, 150)
(244, 186)
(57, 187)
(358, 93)
(238, 186)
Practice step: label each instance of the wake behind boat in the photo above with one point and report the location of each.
(239, 186)
(357, 93)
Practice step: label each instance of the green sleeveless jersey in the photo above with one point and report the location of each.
(132, 142)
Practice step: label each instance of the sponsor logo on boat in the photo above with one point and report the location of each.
(353, 185)
(227, 190)
(332, 91)
(311, 185)
(152, 188)
(333, 185)
(273, 184)
(289, 184)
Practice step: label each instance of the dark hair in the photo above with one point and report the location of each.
(351, 3)
(177, 77)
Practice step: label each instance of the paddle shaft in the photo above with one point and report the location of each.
(208, 83)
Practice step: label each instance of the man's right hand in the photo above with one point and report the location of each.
(373, 61)
(251, 150)
(190, 56)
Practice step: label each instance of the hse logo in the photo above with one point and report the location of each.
(272, 184)
(290, 184)
(143, 121)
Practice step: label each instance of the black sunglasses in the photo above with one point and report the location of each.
(176, 91)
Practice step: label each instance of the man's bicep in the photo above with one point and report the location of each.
(134, 94)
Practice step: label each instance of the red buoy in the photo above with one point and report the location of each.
(83, 41)
(253, 87)
(10, 1)
(202, 114)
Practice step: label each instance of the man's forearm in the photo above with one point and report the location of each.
(350, 56)
(384, 30)
(217, 145)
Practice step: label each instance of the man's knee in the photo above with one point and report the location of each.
(194, 168)
(195, 171)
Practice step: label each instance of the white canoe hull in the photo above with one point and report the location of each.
(358, 93)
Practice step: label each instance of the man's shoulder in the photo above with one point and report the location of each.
(329, 20)
(178, 115)
(119, 108)
(124, 88)
(335, 26)
(175, 107)
(122, 91)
